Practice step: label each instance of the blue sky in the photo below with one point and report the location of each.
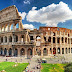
(38, 17)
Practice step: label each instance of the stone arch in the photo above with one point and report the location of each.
(54, 50)
(62, 50)
(5, 39)
(11, 27)
(10, 38)
(22, 38)
(45, 52)
(53, 39)
(38, 38)
(5, 51)
(29, 52)
(49, 39)
(69, 50)
(66, 50)
(58, 50)
(17, 26)
(16, 52)
(10, 52)
(22, 51)
(1, 39)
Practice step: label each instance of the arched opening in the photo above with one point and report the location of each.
(69, 50)
(6, 28)
(10, 38)
(38, 38)
(53, 39)
(45, 52)
(22, 51)
(2, 29)
(49, 39)
(68, 41)
(53, 33)
(10, 52)
(58, 39)
(17, 26)
(54, 50)
(62, 39)
(71, 40)
(29, 52)
(1, 39)
(5, 51)
(45, 38)
(1, 51)
(31, 38)
(66, 50)
(11, 27)
(68, 35)
(5, 39)
(62, 50)
(15, 52)
(65, 40)
(16, 38)
(22, 38)
(58, 50)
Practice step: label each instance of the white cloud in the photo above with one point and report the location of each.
(28, 26)
(23, 14)
(50, 15)
(26, 2)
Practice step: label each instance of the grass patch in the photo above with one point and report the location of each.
(52, 67)
(10, 66)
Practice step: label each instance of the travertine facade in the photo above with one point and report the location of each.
(16, 41)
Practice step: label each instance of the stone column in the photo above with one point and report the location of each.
(18, 52)
(0, 50)
(14, 27)
(52, 50)
(33, 52)
(26, 37)
(25, 52)
(41, 52)
(3, 39)
(19, 38)
(60, 41)
(12, 39)
(60, 50)
(4, 28)
(56, 50)
(7, 39)
(64, 51)
(8, 27)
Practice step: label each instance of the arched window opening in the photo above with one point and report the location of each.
(49, 39)
(2, 29)
(68, 41)
(1, 39)
(58, 40)
(53, 33)
(6, 28)
(5, 51)
(22, 38)
(62, 50)
(10, 38)
(29, 52)
(11, 27)
(71, 40)
(65, 40)
(62, 39)
(54, 50)
(31, 38)
(15, 52)
(69, 50)
(68, 35)
(22, 51)
(17, 25)
(66, 50)
(10, 52)
(45, 38)
(53, 39)
(5, 39)
(45, 52)
(58, 50)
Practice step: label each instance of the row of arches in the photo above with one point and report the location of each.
(14, 52)
(10, 38)
(56, 51)
(9, 27)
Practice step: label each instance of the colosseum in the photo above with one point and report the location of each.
(17, 41)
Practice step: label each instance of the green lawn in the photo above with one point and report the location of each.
(52, 67)
(10, 66)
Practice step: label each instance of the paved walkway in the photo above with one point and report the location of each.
(32, 66)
